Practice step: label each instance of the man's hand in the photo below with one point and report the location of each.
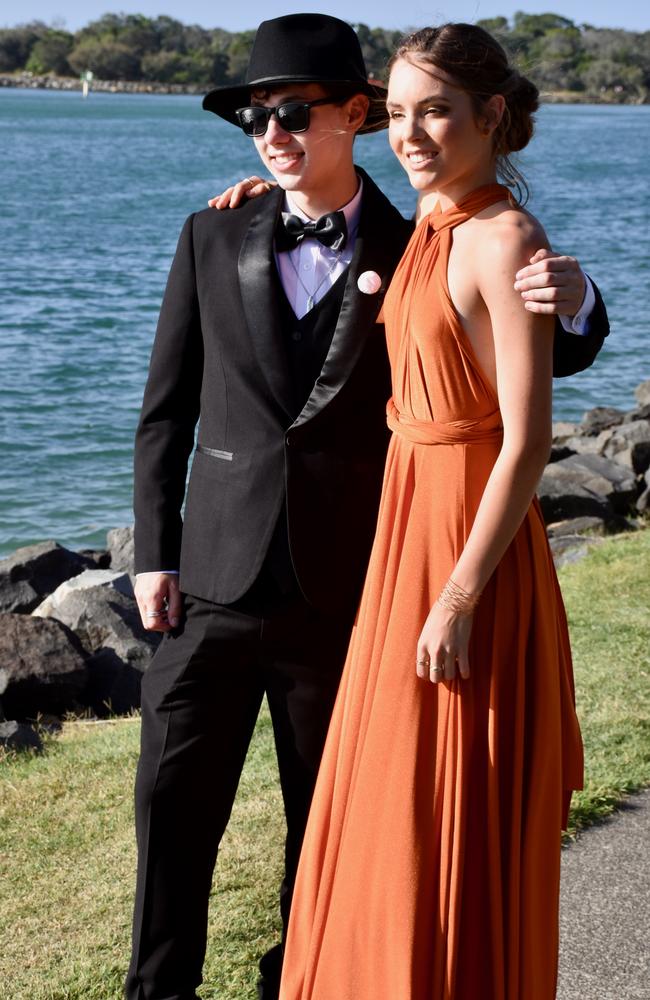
(249, 187)
(551, 283)
(159, 600)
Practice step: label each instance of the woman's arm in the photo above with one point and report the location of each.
(523, 347)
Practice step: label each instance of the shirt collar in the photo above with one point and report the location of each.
(351, 211)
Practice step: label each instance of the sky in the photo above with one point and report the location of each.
(634, 15)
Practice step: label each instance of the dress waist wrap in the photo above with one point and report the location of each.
(488, 429)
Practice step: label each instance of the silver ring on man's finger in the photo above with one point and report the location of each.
(155, 614)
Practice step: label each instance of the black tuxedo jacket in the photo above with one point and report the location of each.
(219, 358)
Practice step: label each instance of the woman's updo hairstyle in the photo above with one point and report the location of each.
(479, 66)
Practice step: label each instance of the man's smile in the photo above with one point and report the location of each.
(285, 160)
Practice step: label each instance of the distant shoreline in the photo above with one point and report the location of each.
(30, 81)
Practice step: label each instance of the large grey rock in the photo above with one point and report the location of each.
(19, 736)
(565, 493)
(640, 413)
(576, 526)
(628, 444)
(96, 558)
(571, 548)
(34, 571)
(563, 429)
(586, 485)
(99, 607)
(560, 451)
(571, 439)
(572, 539)
(563, 432)
(86, 581)
(642, 393)
(597, 420)
(643, 503)
(585, 444)
(42, 667)
(120, 545)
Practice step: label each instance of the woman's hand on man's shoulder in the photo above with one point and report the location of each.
(236, 194)
(551, 283)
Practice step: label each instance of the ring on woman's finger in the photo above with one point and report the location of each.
(156, 614)
(424, 663)
(438, 669)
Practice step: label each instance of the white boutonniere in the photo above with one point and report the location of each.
(369, 283)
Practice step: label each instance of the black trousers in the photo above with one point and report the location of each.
(200, 699)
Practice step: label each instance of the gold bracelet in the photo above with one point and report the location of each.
(456, 599)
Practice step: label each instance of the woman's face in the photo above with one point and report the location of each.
(434, 132)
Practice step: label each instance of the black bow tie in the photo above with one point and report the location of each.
(330, 230)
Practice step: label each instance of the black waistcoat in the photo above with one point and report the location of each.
(307, 341)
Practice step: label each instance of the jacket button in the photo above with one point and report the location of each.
(288, 439)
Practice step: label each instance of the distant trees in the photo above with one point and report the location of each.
(377, 46)
(49, 54)
(16, 45)
(108, 59)
(561, 56)
(555, 52)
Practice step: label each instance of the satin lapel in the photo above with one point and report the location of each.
(378, 248)
(258, 285)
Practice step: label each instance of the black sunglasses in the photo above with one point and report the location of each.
(293, 116)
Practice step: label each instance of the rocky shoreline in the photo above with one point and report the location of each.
(71, 639)
(31, 81)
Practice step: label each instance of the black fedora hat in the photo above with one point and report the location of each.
(303, 48)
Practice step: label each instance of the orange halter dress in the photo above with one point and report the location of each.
(431, 863)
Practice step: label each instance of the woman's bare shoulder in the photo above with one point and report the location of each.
(507, 231)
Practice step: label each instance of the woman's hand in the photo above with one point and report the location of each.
(443, 644)
(249, 187)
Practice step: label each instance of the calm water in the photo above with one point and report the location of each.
(93, 195)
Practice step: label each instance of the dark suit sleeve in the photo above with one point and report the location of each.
(573, 353)
(170, 410)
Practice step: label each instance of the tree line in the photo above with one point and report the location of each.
(555, 52)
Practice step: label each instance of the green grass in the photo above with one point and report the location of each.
(67, 863)
(608, 603)
(66, 828)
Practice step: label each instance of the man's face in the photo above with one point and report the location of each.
(307, 162)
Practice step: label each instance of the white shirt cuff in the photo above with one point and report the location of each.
(580, 322)
(157, 572)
